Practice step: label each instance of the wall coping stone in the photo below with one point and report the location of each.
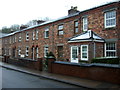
(27, 59)
(89, 65)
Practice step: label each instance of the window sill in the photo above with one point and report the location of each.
(46, 38)
(110, 28)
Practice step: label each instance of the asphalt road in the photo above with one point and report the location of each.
(14, 79)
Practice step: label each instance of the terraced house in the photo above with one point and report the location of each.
(80, 36)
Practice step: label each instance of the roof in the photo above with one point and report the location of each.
(3, 35)
(86, 36)
(65, 17)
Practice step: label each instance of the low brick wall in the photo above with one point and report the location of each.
(101, 72)
(33, 64)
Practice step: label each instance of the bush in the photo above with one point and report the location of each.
(106, 60)
(48, 55)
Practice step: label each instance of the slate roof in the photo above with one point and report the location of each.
(2, 35)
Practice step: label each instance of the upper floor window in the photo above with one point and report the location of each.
(76, 26)
(60, 30)
(15, 38)
(110, 19)
(46, 33)
(33, 35)
(27, 36)
(20, 38)
(10, 40)
(36, 34)
(85, 23)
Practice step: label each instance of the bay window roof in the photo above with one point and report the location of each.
(86, 36)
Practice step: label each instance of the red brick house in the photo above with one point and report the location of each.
(80, 36)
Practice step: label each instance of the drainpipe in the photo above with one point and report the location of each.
(93, 42)
(94, 49)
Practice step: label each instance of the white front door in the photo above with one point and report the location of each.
(74, 54)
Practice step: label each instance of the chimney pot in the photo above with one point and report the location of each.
(73, 10)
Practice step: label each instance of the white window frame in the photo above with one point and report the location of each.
(45, 33)
(76, 30)
(20, 38)
(33, 35)
(84, 59)
(46, 48)
(110, 50)
(60, 29)
(27, 36)
(19, 51)
(85, 23)
(37, 34)
(110, 18)
(27, 51)
(37, 52)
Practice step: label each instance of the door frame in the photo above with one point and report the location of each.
(74, 60)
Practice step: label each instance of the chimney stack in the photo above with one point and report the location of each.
(72, 11)
(23, 27)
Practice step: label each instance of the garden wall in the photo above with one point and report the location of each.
(101, 72)
(29, 63)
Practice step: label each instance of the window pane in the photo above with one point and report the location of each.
(60, 51)
(84, 52)
(74, 52)
(110, 49)
(46, 34)
(110, 18)
(110, 46)
(60, 27)
(85, 23)
(61, 32)
(110, 54)
(76, 30)
(76, 23)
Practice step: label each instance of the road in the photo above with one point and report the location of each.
(15, 79)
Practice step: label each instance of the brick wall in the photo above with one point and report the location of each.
(29, 63)
(94, 72)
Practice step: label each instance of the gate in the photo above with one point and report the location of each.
(45, 64)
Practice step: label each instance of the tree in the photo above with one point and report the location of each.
(12, 28)
(15, 27)
(5, 29)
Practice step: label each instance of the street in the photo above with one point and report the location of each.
(15, 79)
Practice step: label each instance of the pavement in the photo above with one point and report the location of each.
(92, 84)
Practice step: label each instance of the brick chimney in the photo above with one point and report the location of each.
(72, 11)
(40, 21)
(23, 27)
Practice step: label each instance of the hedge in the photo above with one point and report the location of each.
(106, 60)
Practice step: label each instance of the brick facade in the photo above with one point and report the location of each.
(96, 23)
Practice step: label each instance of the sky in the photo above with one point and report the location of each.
(22, 11)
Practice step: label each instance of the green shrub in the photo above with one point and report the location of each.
(106, 60)
(48, 55)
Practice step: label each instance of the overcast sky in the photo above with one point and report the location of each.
(22, 11)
